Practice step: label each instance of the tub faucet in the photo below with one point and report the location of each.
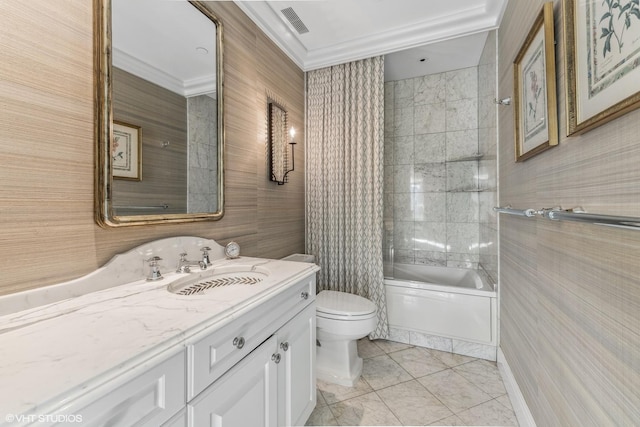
(184, 265)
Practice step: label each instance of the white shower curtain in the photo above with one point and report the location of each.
(345, 143)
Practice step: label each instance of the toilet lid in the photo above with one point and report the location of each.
(343, 304)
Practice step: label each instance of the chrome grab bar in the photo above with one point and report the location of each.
(576, 214)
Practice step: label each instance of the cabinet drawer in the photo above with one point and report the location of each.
(216, 352)
(148, 398)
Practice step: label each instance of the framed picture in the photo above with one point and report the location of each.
(126, 151)
(536, 121)
(602, 45)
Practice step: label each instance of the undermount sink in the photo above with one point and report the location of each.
(202, 282)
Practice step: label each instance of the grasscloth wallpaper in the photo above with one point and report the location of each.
(570, 308)
(47, 228)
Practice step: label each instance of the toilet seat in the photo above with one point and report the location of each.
(344, 306)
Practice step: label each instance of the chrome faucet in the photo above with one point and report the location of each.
(154, 274)
(184, 265)
(205, 255)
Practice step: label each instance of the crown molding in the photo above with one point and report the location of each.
(470, 21)
(193, 87)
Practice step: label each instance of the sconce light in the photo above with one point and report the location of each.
(292, 134)
(279, 137)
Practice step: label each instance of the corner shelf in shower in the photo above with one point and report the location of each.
(470, 158)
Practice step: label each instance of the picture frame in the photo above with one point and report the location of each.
(536, 116)
(602, 45)
(126, 151)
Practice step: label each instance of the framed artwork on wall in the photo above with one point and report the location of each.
(536, 121)
(602, 45)
(126, 151)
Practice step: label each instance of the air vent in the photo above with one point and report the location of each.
(295, 20)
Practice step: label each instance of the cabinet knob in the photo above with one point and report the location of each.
(284, 346)
(276, 357)
(304, 295)
(238, 342)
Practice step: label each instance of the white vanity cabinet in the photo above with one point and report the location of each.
(296, 370)
(271, 380)
(147, 397)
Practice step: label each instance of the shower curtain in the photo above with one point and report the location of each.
(345, 143)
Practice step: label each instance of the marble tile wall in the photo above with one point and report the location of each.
(203, 154)
(431, 172)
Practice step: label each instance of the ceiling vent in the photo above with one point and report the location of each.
(295, 20)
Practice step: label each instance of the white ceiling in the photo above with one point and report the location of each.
(145, 44)
(450, 33)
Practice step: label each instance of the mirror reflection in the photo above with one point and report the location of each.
(166, 135)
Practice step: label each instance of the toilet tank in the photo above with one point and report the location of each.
(300, 258)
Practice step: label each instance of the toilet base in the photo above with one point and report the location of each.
(337, 362)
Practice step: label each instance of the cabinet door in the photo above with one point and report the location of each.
(296, 371)
(244, 396)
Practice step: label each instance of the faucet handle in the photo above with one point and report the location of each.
(154, 274)
(205, 255)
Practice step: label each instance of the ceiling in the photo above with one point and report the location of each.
(450, 34)
(142, 45)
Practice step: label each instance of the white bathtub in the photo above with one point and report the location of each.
(449, 309)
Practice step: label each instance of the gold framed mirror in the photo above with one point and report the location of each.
(159, 113)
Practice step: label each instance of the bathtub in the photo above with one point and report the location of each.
(449, 309)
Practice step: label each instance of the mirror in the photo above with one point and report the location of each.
(160, 111)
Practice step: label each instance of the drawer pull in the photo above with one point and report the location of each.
(304, 295)
(238, 342)
(284, 346)
(276, 357)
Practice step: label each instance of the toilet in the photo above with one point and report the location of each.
(341, 320)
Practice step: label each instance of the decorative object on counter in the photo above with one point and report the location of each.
(602, 45)
(536, 123)
(232, 250)
(126, 151)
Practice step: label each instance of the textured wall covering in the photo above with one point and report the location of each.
(570, 292)
(431, 173)
(47, 228)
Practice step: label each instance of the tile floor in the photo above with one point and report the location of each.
(403, 385)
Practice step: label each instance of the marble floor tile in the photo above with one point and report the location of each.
(321, 416)
(455, 391)
(382, 371)
(332, 393)
(483, 374)
(368, 348)
(366, 410)
(413, 404)
(418, 362)
(491, 413)
(453, 420)
(451, 359)
(462, 390)
(391, 346)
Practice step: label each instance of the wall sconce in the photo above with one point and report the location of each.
(292, 134)
(279, 138)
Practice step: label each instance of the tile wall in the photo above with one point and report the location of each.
(431, 170)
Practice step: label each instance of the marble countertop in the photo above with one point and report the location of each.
(72, 346)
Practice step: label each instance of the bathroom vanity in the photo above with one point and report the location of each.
(136, 352)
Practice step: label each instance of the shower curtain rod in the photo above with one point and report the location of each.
(575, 214)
